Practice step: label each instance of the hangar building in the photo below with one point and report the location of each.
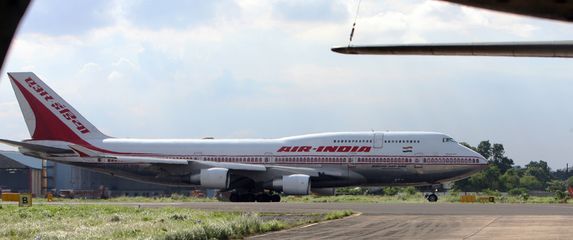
(20, 173)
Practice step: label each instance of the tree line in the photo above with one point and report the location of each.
(504, 176)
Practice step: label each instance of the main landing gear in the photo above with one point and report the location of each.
(251, 197)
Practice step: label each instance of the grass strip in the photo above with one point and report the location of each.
(120, 222)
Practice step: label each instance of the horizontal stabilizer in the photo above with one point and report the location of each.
(559, 49)
(36, 147)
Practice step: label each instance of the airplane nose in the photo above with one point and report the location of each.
(481, 159)
(482, 162)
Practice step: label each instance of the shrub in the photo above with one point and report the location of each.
(409, 190)
(561, 196)
(524, 196)
(390, 191)
(491, 192)
(517, 191)
(115, 218)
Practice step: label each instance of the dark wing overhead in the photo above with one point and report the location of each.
(562, 49)
(551, 9)
(11, 11)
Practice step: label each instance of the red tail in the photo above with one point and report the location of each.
(48, 116)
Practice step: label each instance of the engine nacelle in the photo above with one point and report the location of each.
(212, 178)
(296, 184)
(324, 191)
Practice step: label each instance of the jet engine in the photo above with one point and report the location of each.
(296, 184)
(217, 178)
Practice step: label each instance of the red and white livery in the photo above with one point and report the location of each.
(252, 169)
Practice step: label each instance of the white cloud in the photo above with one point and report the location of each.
(247, 71)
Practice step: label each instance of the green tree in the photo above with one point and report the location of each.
(570, 182)
(556, 185)
(559, 190)
(486, 179)
(484, 148)
(497, 151)
(510, 179)
(531, 183)
(497, 157)
(539, 170)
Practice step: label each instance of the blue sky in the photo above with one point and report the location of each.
(264, 69)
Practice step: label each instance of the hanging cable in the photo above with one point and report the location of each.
(354, 24)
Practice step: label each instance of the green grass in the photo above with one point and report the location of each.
(109, 222)
(117, 222)
(357, 198)
(398, 198)
(175, 198)
(337, 214)
(409, 198)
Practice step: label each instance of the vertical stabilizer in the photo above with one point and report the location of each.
(48, 116)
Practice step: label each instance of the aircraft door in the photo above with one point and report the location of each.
(378, 140)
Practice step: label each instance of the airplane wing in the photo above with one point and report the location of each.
(90, 156)
(85, 152)
(88, 153)
(559, 49)
(556, 10)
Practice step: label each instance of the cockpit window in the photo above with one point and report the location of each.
(446, 140)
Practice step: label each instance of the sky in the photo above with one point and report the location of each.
(264, 69)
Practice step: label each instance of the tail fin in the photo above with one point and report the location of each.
(49, 116)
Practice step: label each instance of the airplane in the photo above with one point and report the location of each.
(554, 10)
(249, 169)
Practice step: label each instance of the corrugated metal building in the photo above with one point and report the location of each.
(20, 173)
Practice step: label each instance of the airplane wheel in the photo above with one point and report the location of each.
(432, 198)
(249, 197)
(234, 197)
(275, 198)
(263, 197)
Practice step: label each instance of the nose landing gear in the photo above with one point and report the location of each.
(432, 197)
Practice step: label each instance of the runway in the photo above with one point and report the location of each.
(411, 221)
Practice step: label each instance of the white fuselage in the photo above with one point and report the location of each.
(363, 158)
